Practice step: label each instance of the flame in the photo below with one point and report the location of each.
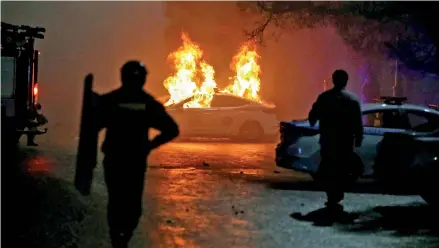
(183, 84)
(204, 94)
(195, 77)
(246, 82)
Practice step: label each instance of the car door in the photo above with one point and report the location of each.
(376, 124)
(422, 121)
(226, 117)
(189, 120)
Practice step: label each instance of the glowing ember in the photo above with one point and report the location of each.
(195, 77)
(183, 84)
(246, 82)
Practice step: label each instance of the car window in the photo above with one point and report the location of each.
(227, 101)
(372, 119)
(8, 76)
(386, 119)
(422, 121)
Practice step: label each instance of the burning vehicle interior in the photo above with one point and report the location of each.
(203, 109)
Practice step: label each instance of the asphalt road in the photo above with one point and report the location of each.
(199, 194)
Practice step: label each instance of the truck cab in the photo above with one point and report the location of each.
(19, 82)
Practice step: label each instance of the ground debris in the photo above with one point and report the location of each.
(170, 222)
(205, 163)
(237, 211)
(276, 172)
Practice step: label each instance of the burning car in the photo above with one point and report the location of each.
(228, 116)
(204, 110)
(401, 141)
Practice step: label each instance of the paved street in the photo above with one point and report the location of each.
(213, 194)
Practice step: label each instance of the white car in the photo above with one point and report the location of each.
(229, 116)
(299, 148)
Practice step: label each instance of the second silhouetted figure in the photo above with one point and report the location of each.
(341, 128)
(127, 114)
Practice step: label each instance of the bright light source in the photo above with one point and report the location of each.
(35, 91)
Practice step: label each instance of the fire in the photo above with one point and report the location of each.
(204, 94)
(195, 77)
(183, 84)
(246, 82)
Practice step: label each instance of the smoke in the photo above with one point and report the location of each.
(98, 37)
(84, 37)
(294, 66)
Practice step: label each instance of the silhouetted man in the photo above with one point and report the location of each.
(127, 114)
(341, 128)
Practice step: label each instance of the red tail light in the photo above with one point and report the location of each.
(282, 130)
(35, 91)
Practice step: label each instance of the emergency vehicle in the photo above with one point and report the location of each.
(19, 82)
(400, 146)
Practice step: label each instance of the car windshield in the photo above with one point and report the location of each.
(179, 104)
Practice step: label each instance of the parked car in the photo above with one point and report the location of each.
(229, 116)
(394, 133)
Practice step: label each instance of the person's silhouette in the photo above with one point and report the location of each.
(127, 114)
(341, 128)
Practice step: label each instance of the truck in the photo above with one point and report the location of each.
(19, 82)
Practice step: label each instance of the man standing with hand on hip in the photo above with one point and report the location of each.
(127, 114)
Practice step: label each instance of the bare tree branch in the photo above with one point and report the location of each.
(369, 27)
(257, 34)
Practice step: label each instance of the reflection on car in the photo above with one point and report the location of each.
(228, 116)
(394, 123)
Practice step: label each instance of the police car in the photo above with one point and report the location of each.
(390, 120)
(229, 116)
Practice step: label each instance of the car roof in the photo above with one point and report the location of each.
(235, 96)
(222, 94)
(366, 107)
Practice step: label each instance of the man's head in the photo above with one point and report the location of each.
(133, 74)
(340, 79)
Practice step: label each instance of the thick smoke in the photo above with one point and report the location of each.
(83, 37)
(99, 37)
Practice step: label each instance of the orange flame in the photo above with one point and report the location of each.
(246, 82)
(185, 82)
(195, 77)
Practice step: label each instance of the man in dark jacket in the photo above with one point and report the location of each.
(339, 114)
(127, 114)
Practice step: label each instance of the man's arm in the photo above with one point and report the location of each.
(358, 124)
(163, 122)
(314, 113)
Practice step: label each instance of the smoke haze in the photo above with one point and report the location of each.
(98, 37)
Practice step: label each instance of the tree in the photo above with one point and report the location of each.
(402, 30)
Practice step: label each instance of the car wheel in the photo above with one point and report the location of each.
(251, 131)
(426, 179)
